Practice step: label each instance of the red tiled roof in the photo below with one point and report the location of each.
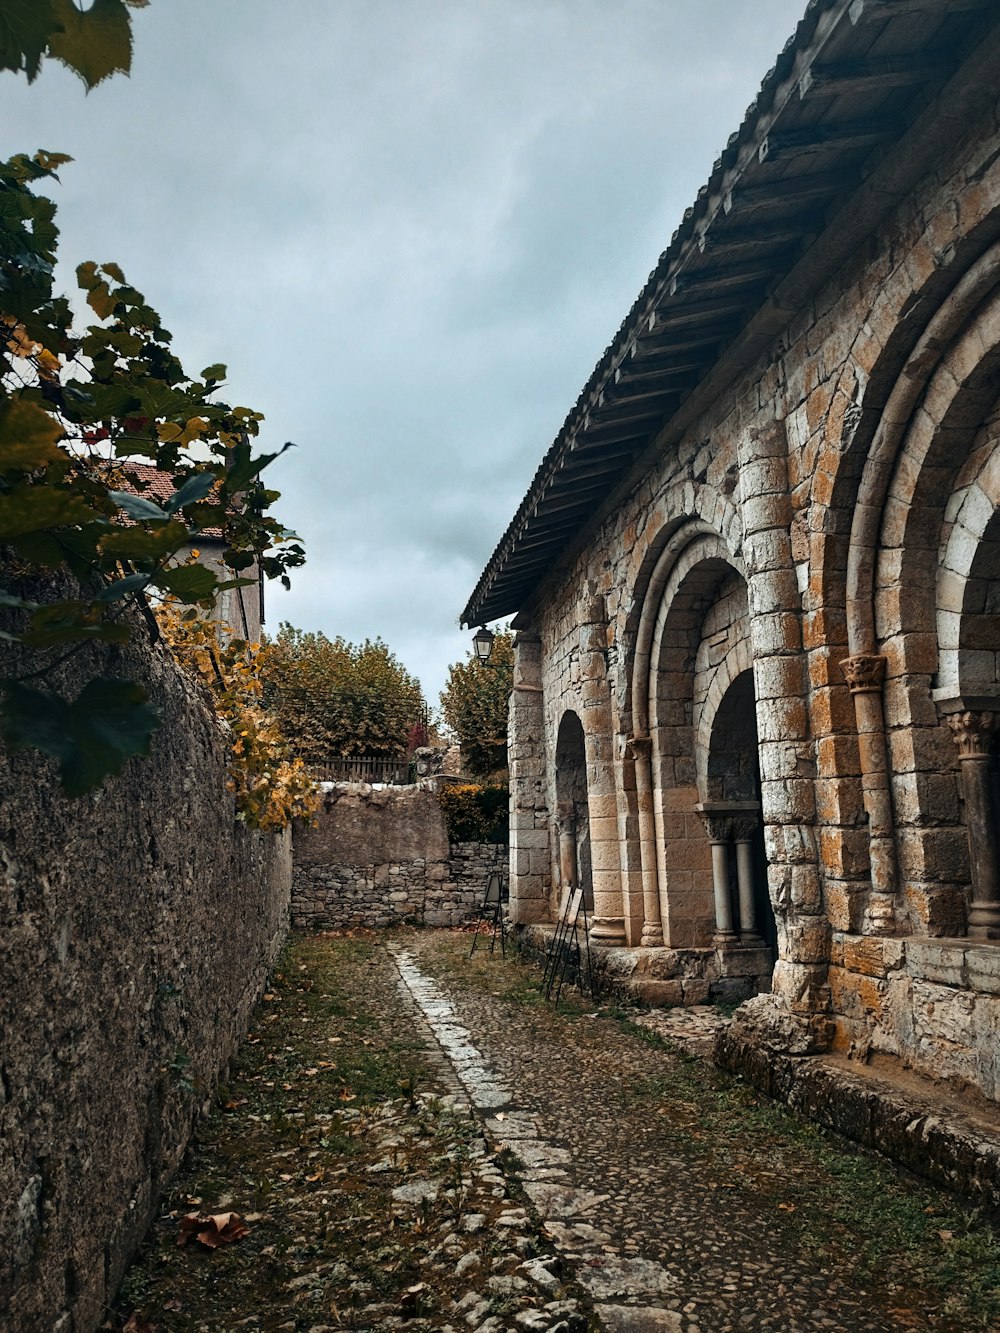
(157, 485)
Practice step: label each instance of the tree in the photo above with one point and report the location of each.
(80, 555)
(94, 43)
(475, 702)
(335, 698)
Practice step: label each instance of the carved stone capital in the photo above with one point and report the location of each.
(566, 816)
(864, 673)
(973, 733)
(639, 747)
(744, 828)
(718, 827)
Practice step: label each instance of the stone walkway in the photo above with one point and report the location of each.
(663, 1231)
(416, 1141)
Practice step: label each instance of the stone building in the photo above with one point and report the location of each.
(756, 577)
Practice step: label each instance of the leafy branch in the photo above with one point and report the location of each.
(86, 416)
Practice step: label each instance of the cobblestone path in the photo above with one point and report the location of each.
(414, 1140)
(667, 1224)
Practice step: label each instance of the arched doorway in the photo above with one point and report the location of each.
(572, 809)
(732, 809)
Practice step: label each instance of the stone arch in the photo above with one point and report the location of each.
(731, 806)
(573, 807)
(680, 516)
(921, 517)
(967, 598)
(695, 571)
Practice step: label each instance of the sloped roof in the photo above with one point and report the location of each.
(157, 485)
(849, 82)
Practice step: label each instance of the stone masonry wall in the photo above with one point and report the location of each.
(844, 468)
(137, 926)
(379, 857)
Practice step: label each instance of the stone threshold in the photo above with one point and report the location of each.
(899, 1113)
(665, 977)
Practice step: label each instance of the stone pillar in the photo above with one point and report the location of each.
(569, 875)
(743, 831)
(530, 853)
(718, 830)
(864, 674)
(608, 923)
(787, 759)
(652, 924)
(973, 732)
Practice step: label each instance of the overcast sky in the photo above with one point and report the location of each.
(409, 228)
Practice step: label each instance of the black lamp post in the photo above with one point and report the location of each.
(482, 644)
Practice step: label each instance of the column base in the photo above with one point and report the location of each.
(879, 915)
(984, 921)
(608, 931)
(725, 939)
(652, 935)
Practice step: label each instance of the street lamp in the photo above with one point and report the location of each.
(482, 644)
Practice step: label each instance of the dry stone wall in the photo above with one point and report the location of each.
(137, 926)
(379, 857)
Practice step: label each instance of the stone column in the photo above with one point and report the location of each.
(743, 831)
(787, 757)
(608, 923)
(652, 924)
(530, 854)
(973, 732)
(864, 674)
(566, 825)
(719, 831)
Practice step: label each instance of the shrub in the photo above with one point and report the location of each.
(475, 813)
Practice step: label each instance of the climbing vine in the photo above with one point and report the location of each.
(76, 406)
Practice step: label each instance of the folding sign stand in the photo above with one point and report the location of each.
(565, 952)
(491, 909)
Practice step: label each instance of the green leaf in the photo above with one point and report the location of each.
(145, 543)
(215, 373)
(91, 738)
(138, 507)
(243, 468)
(114, 592)
(28, 437)
(94, 43)
(35, 508)
(191, 583)
(194, 489)
(26, 27)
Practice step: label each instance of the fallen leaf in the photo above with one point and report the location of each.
(787, 1207)
(136, 1324)
(212, 1229)
(947, 1235)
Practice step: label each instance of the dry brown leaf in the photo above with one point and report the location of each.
(212, 1229)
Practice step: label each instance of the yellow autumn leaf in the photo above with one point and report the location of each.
(28, 438)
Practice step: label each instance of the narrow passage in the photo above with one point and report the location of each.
(414, 1140)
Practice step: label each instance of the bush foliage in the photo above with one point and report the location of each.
(474, 703)
(475, 813)
(335, 698)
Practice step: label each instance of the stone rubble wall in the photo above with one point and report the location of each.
(137, 928)
(380, 857)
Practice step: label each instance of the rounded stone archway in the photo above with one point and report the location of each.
(573, 809)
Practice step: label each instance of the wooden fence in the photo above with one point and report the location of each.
(363, 768)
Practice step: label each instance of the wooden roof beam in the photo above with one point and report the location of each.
(861, 76)
(877, 11)
(789, 231)
(783, 144)
(732, 275)
(790, 190)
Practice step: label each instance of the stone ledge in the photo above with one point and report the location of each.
(913, 1125)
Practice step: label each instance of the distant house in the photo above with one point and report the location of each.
(242, 609)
